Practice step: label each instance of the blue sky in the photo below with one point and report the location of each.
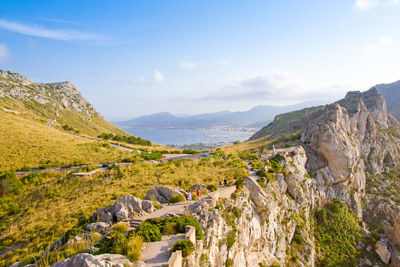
(130, 58)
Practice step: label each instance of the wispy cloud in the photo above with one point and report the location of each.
(223, 62)
(370, 4)
(275, 87)
(62, 21)
(4, 53)
(37, 31)
(380, 45)
(189, 65)
(158, 77)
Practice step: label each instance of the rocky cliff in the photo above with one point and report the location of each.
(59, 101)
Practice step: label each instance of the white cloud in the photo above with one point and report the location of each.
(370, 4)
(4, 53)
(223, 62)
(380, 45)
(158, 77)
(33, 30)
(189, 65)
(273, 88)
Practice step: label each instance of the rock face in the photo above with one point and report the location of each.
(347, 139)
(122, 209)
(382, 249)
(163, 194)
(267, 224)
(88, 260)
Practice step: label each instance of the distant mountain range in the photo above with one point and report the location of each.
(252, 119)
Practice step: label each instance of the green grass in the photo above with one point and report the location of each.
(337, 232)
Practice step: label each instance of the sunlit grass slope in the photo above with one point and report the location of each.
(29, 143)
(37, 210)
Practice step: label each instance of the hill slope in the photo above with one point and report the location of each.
(253, 118)
(61, 102)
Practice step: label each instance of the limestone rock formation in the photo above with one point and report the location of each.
(382, 249)
(163, 194)
(88, 260)
(121, 210)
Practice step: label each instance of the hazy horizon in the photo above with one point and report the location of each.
(143, 57)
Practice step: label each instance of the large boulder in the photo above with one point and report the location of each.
(163, 194)
(383, 250)
(122, 209)
(100, 227)
(88, 260)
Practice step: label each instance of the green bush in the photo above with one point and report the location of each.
(231, 238)
(120, 227)
(149, 232)
(185, 245)
(337, 233)
(212, 187)
(174, 225)
(190, 151)
(237, 212)
(9, 183)
(114, 242)
(177, 198)
(229, 263)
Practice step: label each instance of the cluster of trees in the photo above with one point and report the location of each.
(126, 139)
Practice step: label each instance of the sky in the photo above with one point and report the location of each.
(130, 58)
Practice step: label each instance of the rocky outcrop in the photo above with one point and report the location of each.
(163, 194)
(383, 250)
(347, 139)
(88, 260)
(256, 227)
(122, 209)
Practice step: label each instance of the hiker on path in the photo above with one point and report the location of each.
(220, 183)
(225, 182)
(197, 194)
(190, 196)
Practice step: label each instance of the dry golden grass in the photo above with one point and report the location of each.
(28, 143)
(50, 206)
(261, 143)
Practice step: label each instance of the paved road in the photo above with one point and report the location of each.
(156, 254)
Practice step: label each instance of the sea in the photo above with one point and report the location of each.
(190, 136)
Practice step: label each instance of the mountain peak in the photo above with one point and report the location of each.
(15, 76)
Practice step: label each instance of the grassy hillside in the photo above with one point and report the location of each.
(28, 143)
(287, 123)
(60, 101)
(38, 209)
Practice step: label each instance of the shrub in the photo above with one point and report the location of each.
(177, 198)
(149, 232)
(174, 225)
(9, 183)
(212, 187)
(190, 151)
(120, 227)
(114, 242)
(337, 233)
(229, 263)
(185, 245)
(133, 248)
(237, 212)
(231, 238)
